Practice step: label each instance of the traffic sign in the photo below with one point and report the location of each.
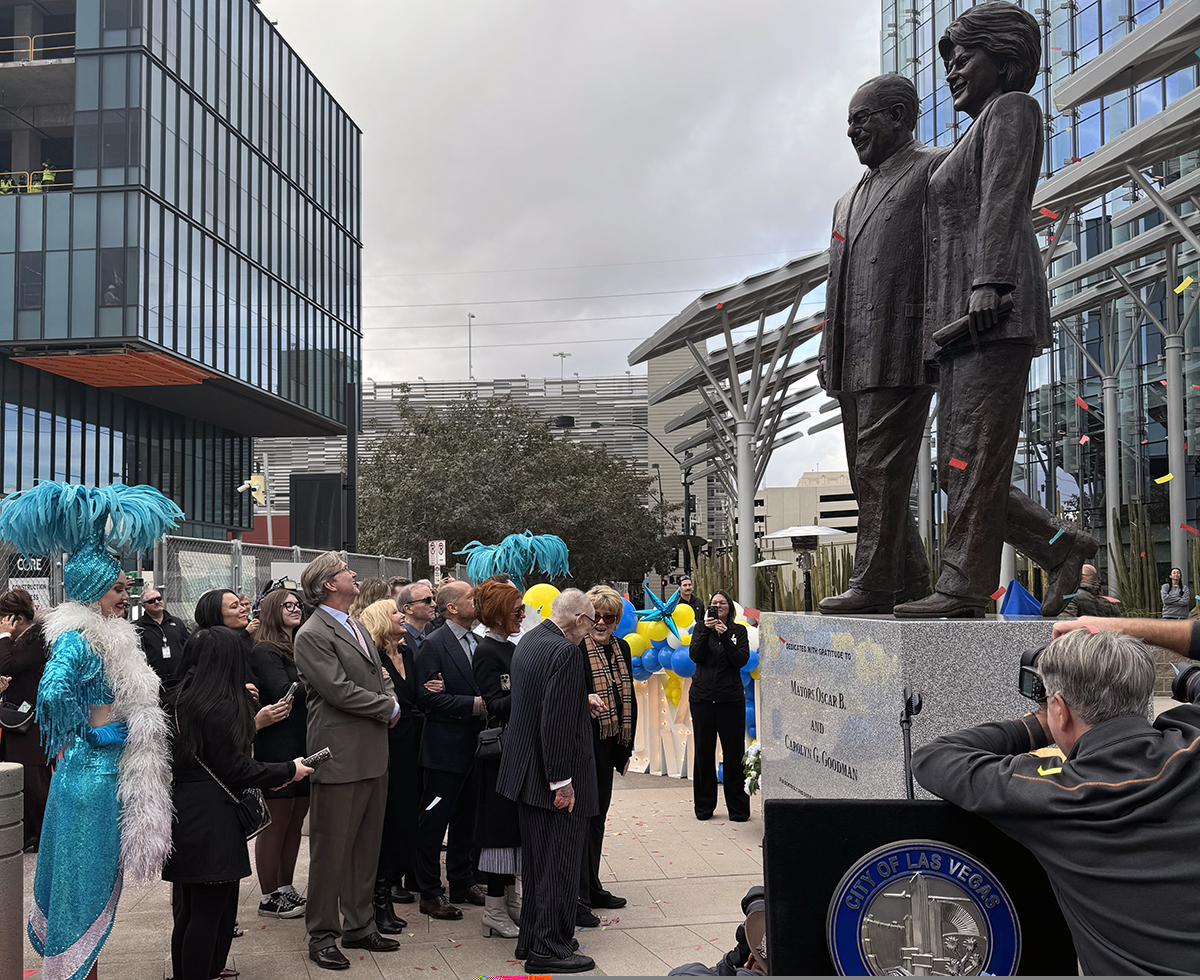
(437, 554)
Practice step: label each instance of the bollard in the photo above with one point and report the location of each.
(12, 864)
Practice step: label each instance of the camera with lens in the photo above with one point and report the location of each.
(1029, 681)
(1186, 685)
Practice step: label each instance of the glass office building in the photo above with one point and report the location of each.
(179, 247)
(1076, 32)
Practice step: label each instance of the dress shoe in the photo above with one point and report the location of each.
(372, 941)
(584, 919)
(704, 816)
(856, 601)
(386, 920)
(521, 952)
(439, 908)
(913, 594)
(575, 963)
(329, 958)
(939, 605)
(474, 895)
(1065, 576)
(607, 900)
(402, 895)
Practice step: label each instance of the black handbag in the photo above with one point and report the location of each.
(252, 810)
(13, 718)
(491, 744)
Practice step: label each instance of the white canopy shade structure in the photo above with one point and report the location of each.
(744, 388)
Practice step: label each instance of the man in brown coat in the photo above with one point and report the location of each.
(871, 349)
(351, 705)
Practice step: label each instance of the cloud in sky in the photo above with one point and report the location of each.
(573, 174)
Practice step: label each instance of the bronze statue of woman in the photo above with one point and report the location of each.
(984, 263)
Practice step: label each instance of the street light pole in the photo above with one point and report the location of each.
(562, 361)
(470, 359)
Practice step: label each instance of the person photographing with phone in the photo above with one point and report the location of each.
(720, 648)
(280, 735)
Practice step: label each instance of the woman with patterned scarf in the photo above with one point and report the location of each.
(610, 677)
(109, 809)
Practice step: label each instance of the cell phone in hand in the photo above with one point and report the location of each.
(314, 760)
(291, 692)
(712, 613)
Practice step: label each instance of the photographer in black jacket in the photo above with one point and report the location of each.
(720, 649)
(1114, 822)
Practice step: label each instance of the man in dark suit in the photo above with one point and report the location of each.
(351, 706)
(453, 719)
(872, 356)
(549, 769)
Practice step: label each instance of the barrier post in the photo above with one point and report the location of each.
(12, 865)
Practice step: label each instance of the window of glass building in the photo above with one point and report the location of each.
(29, 281)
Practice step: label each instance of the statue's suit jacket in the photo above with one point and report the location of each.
(874, 300)
(350, 699)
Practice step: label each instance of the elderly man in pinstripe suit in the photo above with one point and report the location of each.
(549, 769)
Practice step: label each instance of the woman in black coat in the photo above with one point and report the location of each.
(398, 848)
(213, 720)
(500, 608)
(23, 655)
(720, 648)
(280, 735)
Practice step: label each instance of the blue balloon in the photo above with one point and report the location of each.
(752, 732)
(749, 715)
(752, 663)
(748, 686)
(660, 644)
(682, 663)
(650, 661)
(628, 623)
(720, 772)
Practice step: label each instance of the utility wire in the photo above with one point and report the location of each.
(547, 299)
(539, 343)
(518, 323)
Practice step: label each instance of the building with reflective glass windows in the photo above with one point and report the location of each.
(1061, 436)
(179, 247)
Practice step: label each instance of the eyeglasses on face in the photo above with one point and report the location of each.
(152, 602)
(428, 600)
(292, 606)
(860, 118)
(607, 618)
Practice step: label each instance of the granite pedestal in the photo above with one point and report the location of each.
(831, 694)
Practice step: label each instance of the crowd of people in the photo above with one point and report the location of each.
(447, 719)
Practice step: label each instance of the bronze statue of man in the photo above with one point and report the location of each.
(872, 356)
(984, 265)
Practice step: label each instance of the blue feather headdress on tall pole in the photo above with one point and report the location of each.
(87, 523)
(517, 556)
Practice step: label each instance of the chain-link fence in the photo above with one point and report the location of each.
(186, 568)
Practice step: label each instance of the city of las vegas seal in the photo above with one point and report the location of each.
(922, 908)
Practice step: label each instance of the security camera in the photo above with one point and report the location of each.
(245, 486)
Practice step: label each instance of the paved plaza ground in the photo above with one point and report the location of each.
(684, 880)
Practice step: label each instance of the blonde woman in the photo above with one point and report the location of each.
(397, 852)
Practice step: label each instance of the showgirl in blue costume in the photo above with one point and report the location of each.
(109, 809)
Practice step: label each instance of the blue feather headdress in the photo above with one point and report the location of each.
(86, 522)
(517, 556)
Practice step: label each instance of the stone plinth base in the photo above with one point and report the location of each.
(831, 694)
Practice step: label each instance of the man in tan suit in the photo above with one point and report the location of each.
(351, 705)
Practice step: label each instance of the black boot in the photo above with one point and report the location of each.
(386, 920)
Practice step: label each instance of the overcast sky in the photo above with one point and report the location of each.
(593, 165)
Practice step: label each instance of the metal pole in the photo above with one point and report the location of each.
(350, 490)
(1008, 564)
(470, 361)
(745, 512)
(1176, 489)
(12, 870)
(687, 521)
(267, 494)
(1112, 471)
(925, 482)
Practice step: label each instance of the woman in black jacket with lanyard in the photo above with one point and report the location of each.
(499, 606)
(213, 719)
(720, 649)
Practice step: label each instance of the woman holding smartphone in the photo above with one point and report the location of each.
(720, 648)
(280, 735)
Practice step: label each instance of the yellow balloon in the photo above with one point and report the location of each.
(754, 672)
(540, 596)
(742, 621)
(685, 639)
(653, 630)
(638, 644)
(673, 694)
(684, 616)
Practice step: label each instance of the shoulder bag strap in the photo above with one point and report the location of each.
(206, 769)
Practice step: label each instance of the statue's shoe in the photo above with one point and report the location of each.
(855, 601)
(1065, 576)
(913, 593)
(938, 606)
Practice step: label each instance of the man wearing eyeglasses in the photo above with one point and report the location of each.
(416, 605)
(871, 357)
(162, 635)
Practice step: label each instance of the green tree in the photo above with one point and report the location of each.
(484, 469)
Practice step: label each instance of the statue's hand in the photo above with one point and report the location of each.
(984, 310)
(821, 375)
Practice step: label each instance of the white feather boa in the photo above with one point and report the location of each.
(144, 775)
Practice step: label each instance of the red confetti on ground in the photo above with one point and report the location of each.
(838, 237)
(999, 592)
(1081, 403)
(958, 464)
(1048, 213)
(1189, 528)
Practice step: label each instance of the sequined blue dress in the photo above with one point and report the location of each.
(78, 879)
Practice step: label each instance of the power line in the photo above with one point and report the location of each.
(565, 268)
(539, 343)
(518, 323)
(547, 299)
